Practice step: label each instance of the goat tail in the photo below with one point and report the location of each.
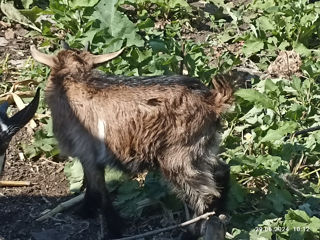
(222, 94)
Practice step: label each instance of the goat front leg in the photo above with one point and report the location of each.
(97, 197)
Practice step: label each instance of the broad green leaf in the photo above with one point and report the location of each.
(300, 219)
(148, 23)
(158, 45)
(282, 131)
(283, 45)
(26, 3)
(280, 199)
(114, 177)
(34, 13)
(182, 3)
(260, 235)
(116, 23)
(270, 85)
(296, 83)
(298, 216)
(252, 46)
(301, 49)
(270, 162)
(46, 148)
(74, 173)
(265, 23)
(82, 3)
(13, 14)
(255, 97)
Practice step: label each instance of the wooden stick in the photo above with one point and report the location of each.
(62, 206)
(14, 183)
(204, 216)
(304, 131)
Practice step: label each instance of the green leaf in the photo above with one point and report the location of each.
(46, 148)
(270, 162)
(255, 97)
(158, 45)
(301, 49)
(181, 3)
(280, 132)
(74, 173)
(114, 177)
(26, 3)
(299, 218)
(34, 13)
(297, 215)
(265, 23)
(296, 83)
(82, 3)
(271, 86)
(116, 24)
(252, 46)
(13, 14)
(148, 23)
(280, 198)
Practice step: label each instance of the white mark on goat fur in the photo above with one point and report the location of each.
(101, 129)
(101, 135)
(3, 127)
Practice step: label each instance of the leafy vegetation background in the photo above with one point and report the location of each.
(275, 182)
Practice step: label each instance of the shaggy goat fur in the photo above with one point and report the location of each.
(165, 122)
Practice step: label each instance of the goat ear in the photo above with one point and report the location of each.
(2, 156)
(41, 57)
(3, 116)
(4, 107)
(22, 117)
(97, 59)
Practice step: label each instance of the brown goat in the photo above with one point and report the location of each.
(165, 122)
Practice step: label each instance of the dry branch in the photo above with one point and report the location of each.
(201, 217)
(62, 206)
(304, 131)
(14, 183)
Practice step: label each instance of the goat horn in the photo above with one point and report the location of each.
(65, 45)
(42, 57)
(87, 46)
(22, 117)
(106, 57)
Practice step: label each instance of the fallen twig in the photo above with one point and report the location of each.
(14, 183)
(62, 206)
(304, 131)
(204, 216)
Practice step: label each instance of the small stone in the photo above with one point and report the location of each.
(3, 42)
(9, 34)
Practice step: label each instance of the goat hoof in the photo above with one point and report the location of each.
(85, 211)
(188, 236)
(115, 225)
(215, 228)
